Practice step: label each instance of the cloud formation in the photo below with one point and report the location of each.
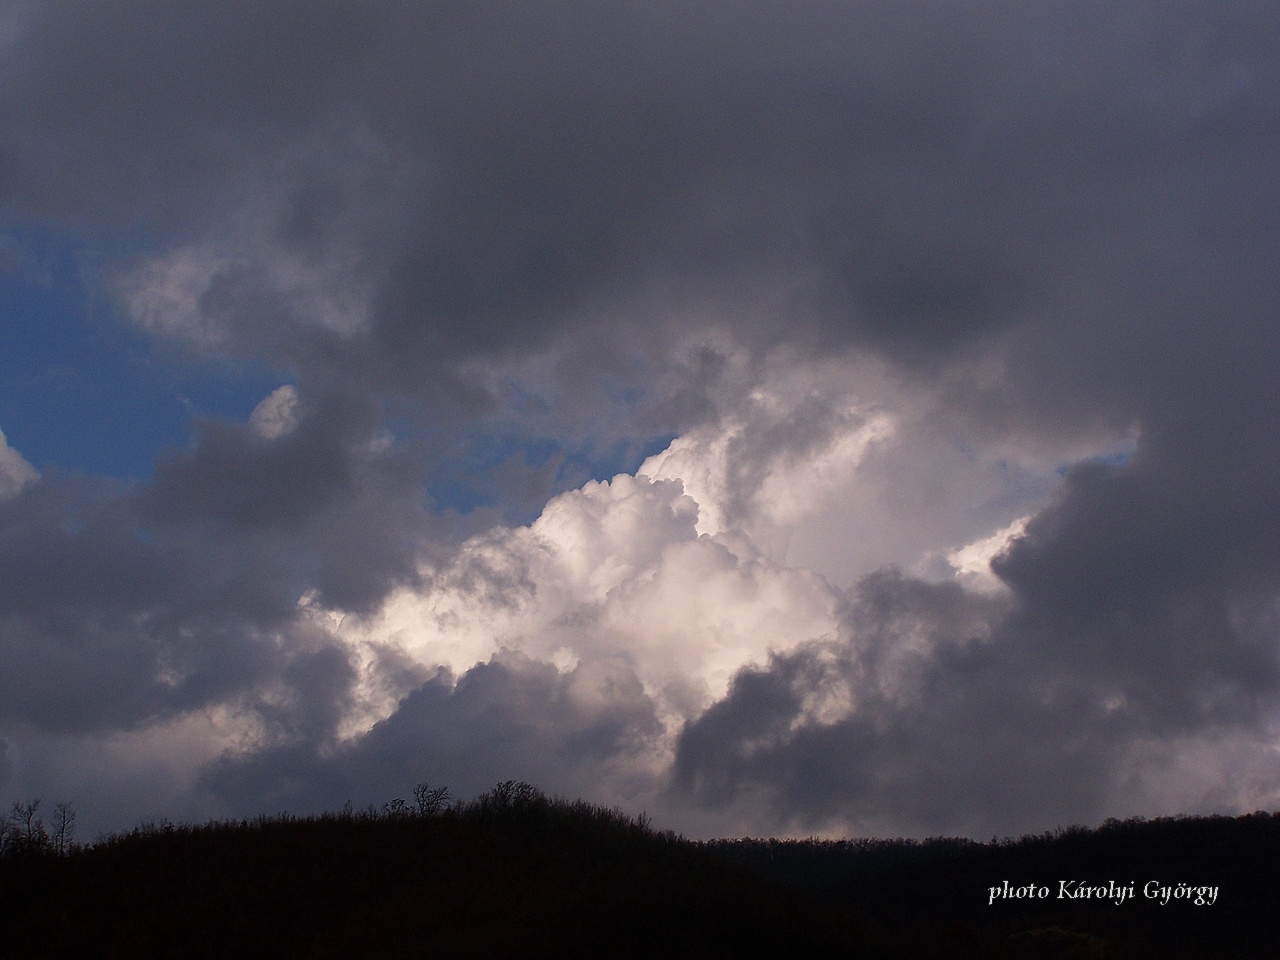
(15, 471)
(755, 331)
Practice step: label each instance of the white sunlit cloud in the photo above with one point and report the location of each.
(735, 544)
(764, 498)
(613, 570)
(971, 563)
(686, 570)
(277, 414)
(16, 473)
(701, 563)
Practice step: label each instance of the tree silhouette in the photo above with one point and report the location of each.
(430, 800)
(64, 828)
(24, 830)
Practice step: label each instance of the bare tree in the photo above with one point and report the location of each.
(431, 800)
(396, 808)
(513, 795)
(26, 829)
(64, 828)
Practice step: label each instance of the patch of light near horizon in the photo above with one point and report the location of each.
(1214, 772)
(148, 771)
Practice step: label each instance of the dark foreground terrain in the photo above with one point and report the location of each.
(516, 874)
(1177, 887)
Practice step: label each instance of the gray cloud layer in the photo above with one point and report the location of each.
(951, 714)
(508, 718)
(908, 176)
(1046, 221)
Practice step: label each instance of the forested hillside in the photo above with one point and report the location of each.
(514, 873)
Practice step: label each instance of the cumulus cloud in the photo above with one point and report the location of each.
(805, 451)
(277, 414)
(107, 627)
(780, 703)
(587, 731)
(163, 296)
(15, 472)
(972, 562)
(903, 376)
(617, 571)
(941, 711)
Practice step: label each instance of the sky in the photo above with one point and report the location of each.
(805, 418)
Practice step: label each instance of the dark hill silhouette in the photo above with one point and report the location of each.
(946, 884)
(514, 873)
(511, 874)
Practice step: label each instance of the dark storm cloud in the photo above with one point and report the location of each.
(952, 713)
(1159, 572)
(103, 628)
(911, 717)
(1084, 188)
(508, 718)
(1081, 196)
(126, 605)
(330, 493)
(1143, 610)
(906, 176)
